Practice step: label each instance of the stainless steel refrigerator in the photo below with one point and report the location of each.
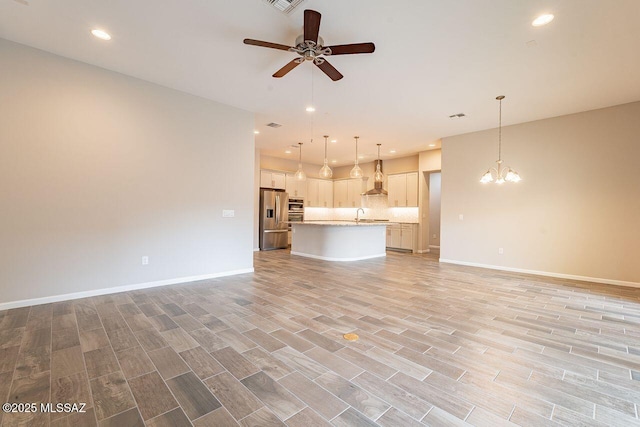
(274, 214)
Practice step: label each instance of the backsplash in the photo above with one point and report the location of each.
(376, 209)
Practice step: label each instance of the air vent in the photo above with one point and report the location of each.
(285, 6)
(274, 125)
(457, 116)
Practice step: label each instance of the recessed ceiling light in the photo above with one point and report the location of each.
(256, 132)
(361, 157)
(432, 145)
(334, 140)
(310, 109)
(334, 161)
(392, 151)
(287, 151)
(542, 20)
(103, 35)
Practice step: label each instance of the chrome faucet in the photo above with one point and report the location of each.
(358, 214)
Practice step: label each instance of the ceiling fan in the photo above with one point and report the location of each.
(310, 47)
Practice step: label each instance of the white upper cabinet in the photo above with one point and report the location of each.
(346, 193)
(272, 179)
(340, 193)
(319, 193)
(403, 189)
(326, 193)
(356, 188)
(295, 189)
(412, 189)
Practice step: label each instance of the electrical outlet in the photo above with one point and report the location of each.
(461, 217)
(501, 251)
(435, 236)
(145, 260)
(228, 213)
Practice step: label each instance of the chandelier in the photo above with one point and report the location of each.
(500, 173)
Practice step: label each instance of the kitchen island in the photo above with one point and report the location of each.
(339, 240)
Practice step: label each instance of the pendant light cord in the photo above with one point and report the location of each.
(500, 134)
(325, 149)
(356, 150)
(312, 105)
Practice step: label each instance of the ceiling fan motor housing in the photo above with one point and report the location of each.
(310, 47)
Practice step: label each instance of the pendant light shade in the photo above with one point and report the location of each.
(325, 171)
(378, 176)
(356, 172)
(500, 174)
(300, 175)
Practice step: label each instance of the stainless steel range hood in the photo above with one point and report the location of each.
(377, 189)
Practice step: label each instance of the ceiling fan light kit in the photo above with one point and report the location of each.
(502, 174)
(310, 47)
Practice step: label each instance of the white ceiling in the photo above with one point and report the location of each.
(433, 58)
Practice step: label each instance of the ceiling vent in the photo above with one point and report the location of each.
(285, 6)
(457, 116)
(274, 125)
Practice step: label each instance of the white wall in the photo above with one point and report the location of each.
(577, 210)
(98, 169)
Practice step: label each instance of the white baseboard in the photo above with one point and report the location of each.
(423, 251)
(117, 289)
(544, 273)
(337, 259)
(434, 247)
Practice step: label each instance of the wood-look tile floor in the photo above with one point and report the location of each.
(439, 345)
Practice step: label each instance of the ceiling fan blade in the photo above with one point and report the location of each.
(330, 71)
(266, 44)
(284, 70)
(348, 49)
(311, 25)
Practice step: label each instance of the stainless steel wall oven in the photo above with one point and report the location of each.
(296, 210)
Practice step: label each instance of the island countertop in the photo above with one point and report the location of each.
(344, 223)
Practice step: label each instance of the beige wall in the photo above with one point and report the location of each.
(434, 208)
(289, 165)
(577, 210)
(428, 161)
(98, 169)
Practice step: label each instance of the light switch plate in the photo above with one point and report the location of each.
(228, 213)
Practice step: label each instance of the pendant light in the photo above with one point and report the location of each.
(378, 176)
(325, 171)
(300, 175)
(502, 174)
(356, 172)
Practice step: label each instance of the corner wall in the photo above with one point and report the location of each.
(576, 211)
(98, 169)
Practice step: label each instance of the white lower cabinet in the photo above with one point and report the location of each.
(402, 236)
